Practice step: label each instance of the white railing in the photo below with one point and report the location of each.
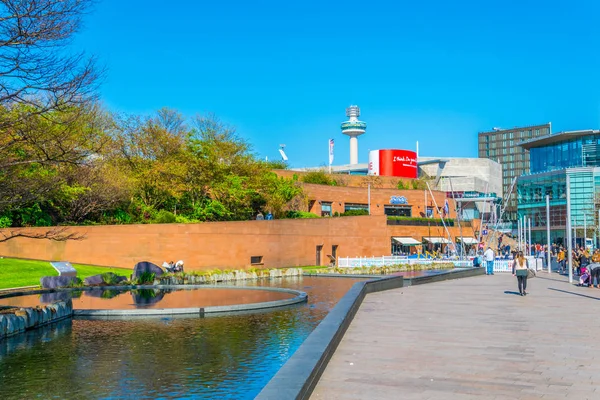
(506, 265)
(359, 262)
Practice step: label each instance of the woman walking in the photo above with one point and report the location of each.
(520, 267)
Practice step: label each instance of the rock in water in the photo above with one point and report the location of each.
(146, 266)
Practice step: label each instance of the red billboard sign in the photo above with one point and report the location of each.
(399, 163)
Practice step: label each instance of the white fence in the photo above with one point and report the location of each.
(359, 262)
(506, 265)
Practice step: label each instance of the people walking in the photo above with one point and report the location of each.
(489, 257)
(520, 267)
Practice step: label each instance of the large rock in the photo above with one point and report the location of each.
(99, 279)
(53, 282)
(93, 280)
(146, 266)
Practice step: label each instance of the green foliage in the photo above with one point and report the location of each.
(165, 217)
(319, 178)
(154, 169)
(422, 219)
(353, 213)
(145, 278)
(117, 217)
(110, 278)
(419, 184)
(5, 222)
(77, 282)
(109, 294)
(401, 185)
(33, 216)
(300, 215)
(180, 219)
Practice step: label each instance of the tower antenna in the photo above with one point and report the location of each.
(353, 128)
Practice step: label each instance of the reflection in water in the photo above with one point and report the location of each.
(146, 297)
(229, 357)
(99, 299)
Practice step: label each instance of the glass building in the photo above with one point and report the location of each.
(552, 158)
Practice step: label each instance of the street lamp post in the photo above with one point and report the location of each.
(549, 259)
(569, 233)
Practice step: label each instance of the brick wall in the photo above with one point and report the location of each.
(339, 196)
(281, 243)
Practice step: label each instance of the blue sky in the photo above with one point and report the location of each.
(284, 72)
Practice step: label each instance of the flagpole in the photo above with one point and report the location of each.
(330, 154)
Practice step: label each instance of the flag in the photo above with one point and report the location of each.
(330, 151)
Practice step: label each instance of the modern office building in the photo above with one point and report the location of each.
(552, 159)
(501, 145)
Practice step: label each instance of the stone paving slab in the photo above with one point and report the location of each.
(472, 338)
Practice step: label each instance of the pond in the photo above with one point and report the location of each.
(131, 299)
(231, 357)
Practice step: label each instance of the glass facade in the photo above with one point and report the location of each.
(576, 152)
(550, 164)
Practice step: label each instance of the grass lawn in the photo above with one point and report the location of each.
(18, 273)
(314, 268)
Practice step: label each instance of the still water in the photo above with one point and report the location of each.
(230, 357)
(131, 299)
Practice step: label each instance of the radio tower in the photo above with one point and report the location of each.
(353, 128)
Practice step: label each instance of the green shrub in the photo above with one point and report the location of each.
(299, 215)
(318, 178)
(180, 219)
(5, 222)
(146, 278)
(165, 217)
(422, 219)
(77, 282)
(110, 278)
(353, 213)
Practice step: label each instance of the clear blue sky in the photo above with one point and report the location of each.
(283, 72)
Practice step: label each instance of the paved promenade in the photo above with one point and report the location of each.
(473, 338)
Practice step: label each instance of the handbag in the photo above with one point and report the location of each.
(530, 273)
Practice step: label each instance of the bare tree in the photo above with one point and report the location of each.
(59, 234)
(35, 67)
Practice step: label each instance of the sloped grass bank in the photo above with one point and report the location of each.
(18, 273)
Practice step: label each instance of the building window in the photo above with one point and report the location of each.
(325, 209)
(355, 206)
(398, 211)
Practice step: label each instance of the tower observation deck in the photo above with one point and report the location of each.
(353, 128)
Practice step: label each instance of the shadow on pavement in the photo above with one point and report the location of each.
(576, 294)
(510, 292)
(550, 279)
